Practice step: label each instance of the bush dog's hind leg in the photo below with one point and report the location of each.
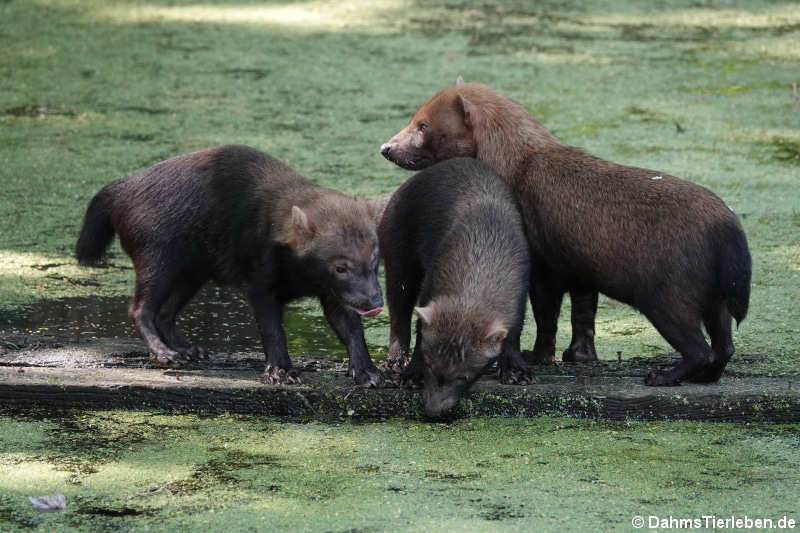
(150, 292)
(347, 326)
(718, 325)
(686, 337)
(182, 292)
(584, 309)
(546, 304)
(269, 315)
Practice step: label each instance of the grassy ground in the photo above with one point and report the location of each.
(149, 471)
(93, 90)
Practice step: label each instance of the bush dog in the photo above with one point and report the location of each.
(669, 248)
(239, 217)
(453, 242)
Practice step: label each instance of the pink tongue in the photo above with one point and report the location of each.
(371, 312)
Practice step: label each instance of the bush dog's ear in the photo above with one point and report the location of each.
(301, 222)
(375, 207)
(426, 313)
(470, 111)
(494, 332)
(459, 80)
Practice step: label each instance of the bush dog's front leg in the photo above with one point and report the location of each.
(347, 325)
(412, 376)
(513, 368)
(401, 298)
(269, 315)
(403, 282)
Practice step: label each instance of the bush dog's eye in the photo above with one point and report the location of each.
(341, 269)
(423, 127)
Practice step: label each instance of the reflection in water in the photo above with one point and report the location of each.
(218, 319)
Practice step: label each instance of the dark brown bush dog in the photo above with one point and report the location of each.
(239, 217)
(453, 242)
(669, 248)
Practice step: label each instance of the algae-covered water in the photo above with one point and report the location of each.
(218, 319)
(144, 471)
(91, 91)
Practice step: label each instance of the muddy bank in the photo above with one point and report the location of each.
(38, 372)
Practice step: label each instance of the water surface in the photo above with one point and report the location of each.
(218, 319)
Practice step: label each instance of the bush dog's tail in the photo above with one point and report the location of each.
(97, 231)
(735, 270)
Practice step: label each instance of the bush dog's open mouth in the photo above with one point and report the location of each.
(371, 312)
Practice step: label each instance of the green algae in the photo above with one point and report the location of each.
(702, 92)
(240, 473)
(786, 150)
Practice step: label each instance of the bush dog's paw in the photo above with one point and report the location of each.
(517, 376)
(170, 359)
(393, 365)
(368, 378)
(280, 376)
(578, 355)
(194, 354)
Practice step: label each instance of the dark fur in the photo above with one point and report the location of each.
(452, 240)
(670, 248)
(239, 217)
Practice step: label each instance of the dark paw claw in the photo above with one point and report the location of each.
(169, 360)
(517, 376)
(367, 378)
(194, 353)
(274, 375)
(394, 366)
(392, 370)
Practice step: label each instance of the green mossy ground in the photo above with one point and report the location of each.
(92, 90)
(150, 471)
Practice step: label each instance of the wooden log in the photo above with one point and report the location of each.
(111, 374)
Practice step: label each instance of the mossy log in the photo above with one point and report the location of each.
(113, 373)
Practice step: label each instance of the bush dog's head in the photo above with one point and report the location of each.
(457, 345)
(440, 129)
(334, 238)
(467, 120)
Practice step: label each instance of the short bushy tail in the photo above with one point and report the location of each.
(97, 231)
(735, 270)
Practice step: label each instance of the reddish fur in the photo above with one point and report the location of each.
(668, 247)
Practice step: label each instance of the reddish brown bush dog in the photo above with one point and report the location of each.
(239, 217)
(669, 248)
